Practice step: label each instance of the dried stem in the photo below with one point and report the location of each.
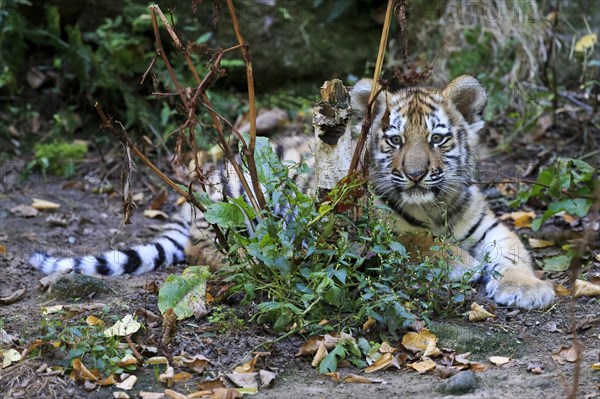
(248, 151)
(122, 137)
(375, 90)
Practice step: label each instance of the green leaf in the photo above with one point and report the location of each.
(224, 214)
(558, 263)
(185, 293)
(334, 295)
(329, 363)
(576, 206)
(397, 247)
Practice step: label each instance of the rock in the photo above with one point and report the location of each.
(73, 286)
(461, 383)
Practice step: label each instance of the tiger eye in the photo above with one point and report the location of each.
(436, 138)
(396, 140)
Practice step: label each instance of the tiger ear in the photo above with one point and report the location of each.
(468, 96)
(359, 99)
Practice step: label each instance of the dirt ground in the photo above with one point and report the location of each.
(94, 222)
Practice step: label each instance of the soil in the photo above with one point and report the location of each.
(94, 222)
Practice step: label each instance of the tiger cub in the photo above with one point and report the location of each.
(422, 150)
(423, 146)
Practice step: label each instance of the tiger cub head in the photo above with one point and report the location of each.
(423, 140)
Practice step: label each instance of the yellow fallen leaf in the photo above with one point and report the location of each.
(157, 360)
(418, 341)
(368, 324)
(335, 376)
(52, 309)
(196, 362)
(3, 249)
(569, 218)
(247, 367)
(520, 218)
(585, 288)
(383, 362)
(499, 360)
(81, 372)
(151, 395)
(110, 380)
(536, 243)
(561, 290)
(478, 313)
(171, 394)
(320, 355)
(43, 205)
(586, 42)
(359, 379)
(423, 366)
(126, 326)
(94, 321)
(387, 348)
(154, 214)
(432, 350)
(127, 360)
(596, 366)
(120, 395)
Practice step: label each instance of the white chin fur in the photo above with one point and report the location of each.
(417, 197)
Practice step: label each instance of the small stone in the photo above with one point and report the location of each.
(461, 383)
(537, 370)
(73, 286)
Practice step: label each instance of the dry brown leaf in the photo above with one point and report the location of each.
(423, 366)
(266, 378)
(196, 362)
(359, 379)
(127, 360)
(82, 373)
(169, 325)
(127, 383)
(335, 376)
(478, 313)
(566, 354)
(154, 214)
(585, 288)
(418, 341)
(368, 324)
(182, 376)
(477, 367)
(499, 360)
(171, 394)
(212, 384)
(225, 393)
(247, 367)
(25, 211)
(387, 348)
(94, 321)
(167, 376)
(3, 249)
(43, 205)
(159, 200)
(536, 243)
(561, 290)
(110, 380)
(311, 346)
(432, 350)
(383, 362)
(243, 380)
(320, 355)
(14, 297)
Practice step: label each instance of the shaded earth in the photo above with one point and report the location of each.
(93, 222)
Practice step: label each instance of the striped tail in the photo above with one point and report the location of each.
(165, 250)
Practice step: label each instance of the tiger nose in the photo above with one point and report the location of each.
(416, 175)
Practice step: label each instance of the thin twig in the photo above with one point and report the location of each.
(374, 89)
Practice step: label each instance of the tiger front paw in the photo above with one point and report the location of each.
(520, 289)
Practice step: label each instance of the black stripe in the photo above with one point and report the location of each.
(133, 262)
(160, 258)
(474, 227)
(102, 266)
(180, 222)
(171, 229)
(279, 150)
(484, 234)
(177, 245)
(77, 265)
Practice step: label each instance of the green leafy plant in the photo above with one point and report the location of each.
(87, 343)
(58, 158)
(226, 319)
(304, 263)
(566, 185)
